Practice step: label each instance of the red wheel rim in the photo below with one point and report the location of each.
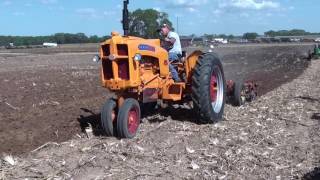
(213, 87)
(113, 116)
(133, 121)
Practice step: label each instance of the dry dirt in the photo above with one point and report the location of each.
(51, 97)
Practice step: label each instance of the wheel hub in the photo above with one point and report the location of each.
(216, 89)
(133, 121)
(213, 87)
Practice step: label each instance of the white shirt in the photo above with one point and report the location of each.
(177, 44)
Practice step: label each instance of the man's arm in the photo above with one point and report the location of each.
(171, 40)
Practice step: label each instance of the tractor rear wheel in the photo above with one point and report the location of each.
(209, 88)
(108, 117)
(128, 119)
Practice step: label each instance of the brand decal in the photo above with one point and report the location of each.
(145, 47)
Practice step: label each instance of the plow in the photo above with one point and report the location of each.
(137, 71)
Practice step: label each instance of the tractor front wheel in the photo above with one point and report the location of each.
(128, 119)
(209, 88)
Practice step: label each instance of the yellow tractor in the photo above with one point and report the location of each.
(137, 71)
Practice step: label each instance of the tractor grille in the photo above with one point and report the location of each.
(122, 49)
(107, 69)
(123, 66)
(106, 50)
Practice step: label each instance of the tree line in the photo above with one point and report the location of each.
(60, 38)
(271, 33)
(293, 32)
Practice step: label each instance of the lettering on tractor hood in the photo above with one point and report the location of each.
(145, 47)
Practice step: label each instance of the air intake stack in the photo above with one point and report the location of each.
(125, 18)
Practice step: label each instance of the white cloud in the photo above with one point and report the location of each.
(7, 3)
(244, 15)
(88, 12)
(109, 13)
(291, 8)
(157, 9)
(48, 1)
(18, 13)
(250, 4)
(188, 5)
(93, 13)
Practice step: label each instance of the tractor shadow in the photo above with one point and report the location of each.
(316, 116)
(310, 99)
(93, 121)
(175, 113)
(313, 175)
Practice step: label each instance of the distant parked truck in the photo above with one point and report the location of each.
(220, 40)
(10, 46)
(50, 44)
(317, 40)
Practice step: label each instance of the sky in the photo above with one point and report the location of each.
(100, 17)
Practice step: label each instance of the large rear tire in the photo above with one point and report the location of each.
(129, 118)
(108, 117)
(209, 88)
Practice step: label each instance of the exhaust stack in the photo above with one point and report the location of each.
(125, 18)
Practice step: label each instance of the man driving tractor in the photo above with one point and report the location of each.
(175, 51)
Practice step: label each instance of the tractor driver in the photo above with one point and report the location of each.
(175, 52)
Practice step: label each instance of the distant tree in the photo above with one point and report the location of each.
(209, 36)
(82, 38)
(60, 38)
(94, 39)
(293, 32)
(231, 36)
(250, 35)
(222, 36)
(144, 23)
(103, 38)
(270, 33)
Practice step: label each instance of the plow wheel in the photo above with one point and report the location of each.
(209, 88)
(108, 117)
(128, 119)
(239, 93)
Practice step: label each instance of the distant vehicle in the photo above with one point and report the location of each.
(295, 40)
(220, 40)
(10, 46)
(50, 45)
(317, 40)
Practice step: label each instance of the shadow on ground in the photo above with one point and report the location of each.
(152, 116)
(310, 99)
(93, 120)
(313, 175)
(316, 116)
